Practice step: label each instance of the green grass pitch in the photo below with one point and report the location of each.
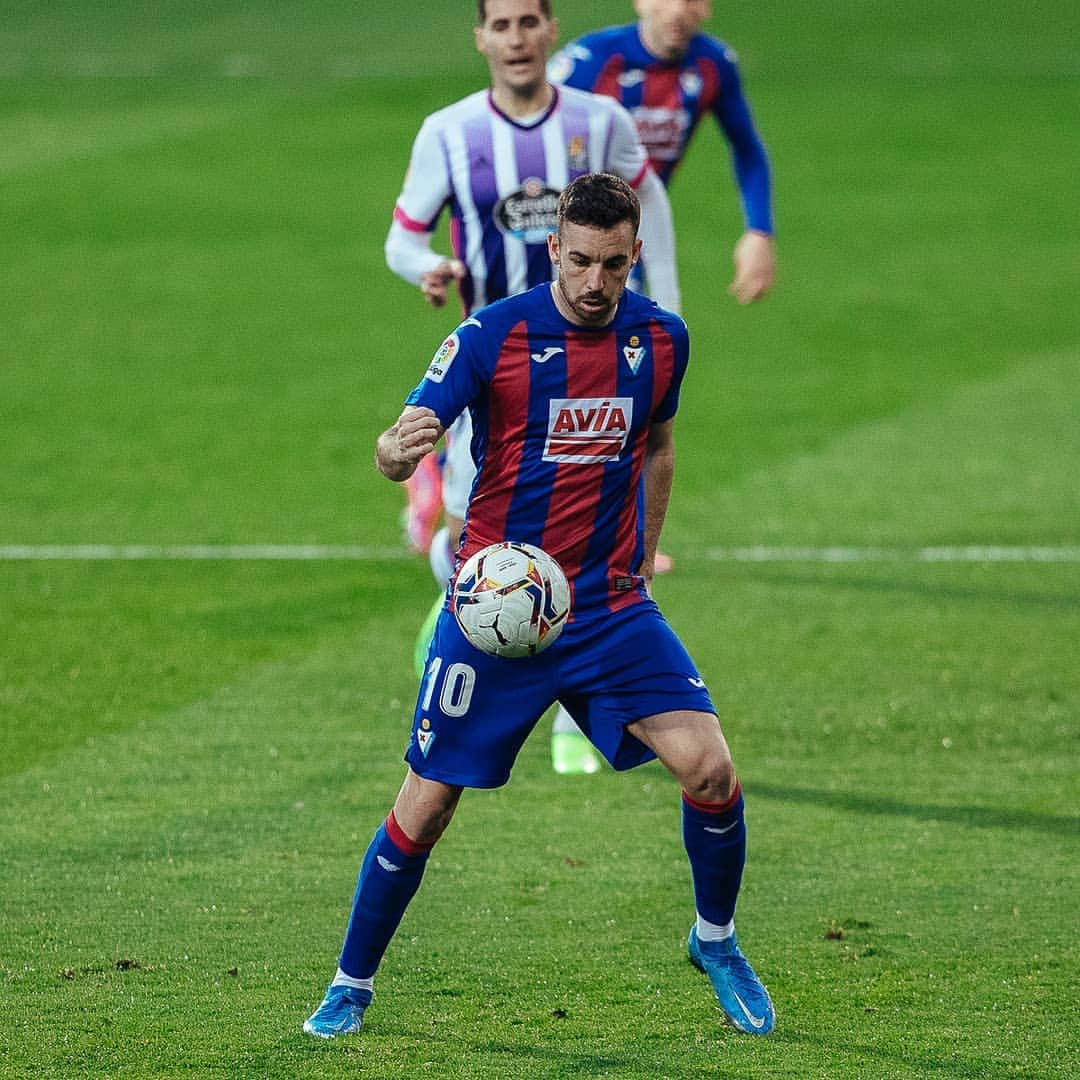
(199, 342)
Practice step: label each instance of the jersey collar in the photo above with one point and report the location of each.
(536, 123)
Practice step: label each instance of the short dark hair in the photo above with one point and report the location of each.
(600, 200)
(481, 10)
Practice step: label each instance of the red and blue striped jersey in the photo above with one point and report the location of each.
(667, 100)
(560, 416)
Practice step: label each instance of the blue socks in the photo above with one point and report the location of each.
(714, 835)
(389, 877)
(715, 838)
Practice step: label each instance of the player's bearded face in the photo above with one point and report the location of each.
(593, 267)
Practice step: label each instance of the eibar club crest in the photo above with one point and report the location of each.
(634, 352)
(425, 737)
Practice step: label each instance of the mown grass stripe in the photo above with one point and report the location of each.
(971, 553)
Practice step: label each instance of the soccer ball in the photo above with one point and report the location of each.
(511, 599)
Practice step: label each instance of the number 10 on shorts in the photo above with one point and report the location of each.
(457, 685)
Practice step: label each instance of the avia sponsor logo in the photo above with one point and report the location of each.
(528, 213)
(586, 430)
(662, 131)
(443, 358)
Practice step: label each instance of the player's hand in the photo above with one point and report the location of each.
(435, 284)
(401, 447)
(418, 430)
(755, 267)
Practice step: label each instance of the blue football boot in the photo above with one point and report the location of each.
(341, 1012)
(744, 999)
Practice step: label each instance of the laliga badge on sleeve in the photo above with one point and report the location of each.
(443, 358)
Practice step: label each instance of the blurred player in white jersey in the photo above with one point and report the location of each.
(498, 160)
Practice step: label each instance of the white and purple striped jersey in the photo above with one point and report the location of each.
(501, 179)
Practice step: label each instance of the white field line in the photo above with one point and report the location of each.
(185, 552)
(987, 553)
(974, 553)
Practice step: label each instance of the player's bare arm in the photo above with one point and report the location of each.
(435, 284)
(755, 266)
(659, 471)
(400, 448)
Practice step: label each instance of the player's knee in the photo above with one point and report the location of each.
(424, 808)
(712, 779)
(425, 825)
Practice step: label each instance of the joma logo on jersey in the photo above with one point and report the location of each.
(585, 430)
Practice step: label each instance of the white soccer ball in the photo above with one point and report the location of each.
(511, 599)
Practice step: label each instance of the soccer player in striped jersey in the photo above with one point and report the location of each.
(573, 388)
(669, 75)
(498, 160)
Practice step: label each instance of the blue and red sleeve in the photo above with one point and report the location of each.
(751, 162)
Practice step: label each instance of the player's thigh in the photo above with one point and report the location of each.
(474, 711)
(623, 667)
(691, 745)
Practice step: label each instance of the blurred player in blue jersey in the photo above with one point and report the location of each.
(497, 161)
(537, 371)
(669, 75)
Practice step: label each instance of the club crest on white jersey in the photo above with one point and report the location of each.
(587, 430)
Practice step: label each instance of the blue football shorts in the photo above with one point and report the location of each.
(475, 711)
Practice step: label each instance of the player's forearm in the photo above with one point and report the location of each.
(657, 234)
(755, 190)
(753, 174)
(659, 473)
(409, 253)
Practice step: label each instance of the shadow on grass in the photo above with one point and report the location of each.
(974, 816)
(914, 1062)
(527, 1061)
